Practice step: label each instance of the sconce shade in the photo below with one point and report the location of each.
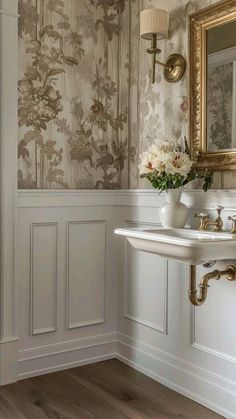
(154, 21)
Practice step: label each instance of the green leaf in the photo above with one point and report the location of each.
(163, 181)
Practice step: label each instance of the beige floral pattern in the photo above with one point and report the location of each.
(72, 129)
(164, 106)
(87, 108)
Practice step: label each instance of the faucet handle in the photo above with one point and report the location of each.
(201, 215)
(233, 218)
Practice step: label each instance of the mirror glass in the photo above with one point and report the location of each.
(221, 88)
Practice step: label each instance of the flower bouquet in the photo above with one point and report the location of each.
(169, 168)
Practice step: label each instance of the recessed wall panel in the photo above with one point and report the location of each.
(43, 277)
(145, 287)
(86, 259)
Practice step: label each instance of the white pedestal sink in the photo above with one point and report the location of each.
(185, 245)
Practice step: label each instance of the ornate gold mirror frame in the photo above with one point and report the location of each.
(199, 22)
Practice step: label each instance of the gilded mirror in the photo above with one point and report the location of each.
(212, 41)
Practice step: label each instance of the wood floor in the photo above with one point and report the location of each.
(106, 390)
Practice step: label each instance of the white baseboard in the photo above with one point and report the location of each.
(201, 385)
(204, 387)
(60, 356)
(65, 366)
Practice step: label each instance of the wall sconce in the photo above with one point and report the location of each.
(154, 26)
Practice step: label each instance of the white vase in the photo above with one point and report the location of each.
(173, 214)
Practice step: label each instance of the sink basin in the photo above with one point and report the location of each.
(186, 245)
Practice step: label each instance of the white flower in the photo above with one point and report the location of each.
(153, 159)
(160, 161)
(167, 158)
(178, 163)
(145, 165)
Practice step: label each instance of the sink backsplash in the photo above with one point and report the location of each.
(199, 201)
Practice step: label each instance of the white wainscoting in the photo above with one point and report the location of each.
(84, 295)
(67, 284)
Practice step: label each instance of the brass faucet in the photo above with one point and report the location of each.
(205, 220)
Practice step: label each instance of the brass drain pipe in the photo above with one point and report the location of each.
(198, 300)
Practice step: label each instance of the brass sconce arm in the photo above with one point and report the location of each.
(198, 297)
(154, 50)
(161, 64)
(174, 67)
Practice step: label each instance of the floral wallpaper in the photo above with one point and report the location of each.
(164, 107)
(73, 104)
(87, 108)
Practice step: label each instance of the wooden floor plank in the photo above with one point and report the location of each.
(7, 411)
(149, 397)
(78, 393)
(32, 402)
(106, 390)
